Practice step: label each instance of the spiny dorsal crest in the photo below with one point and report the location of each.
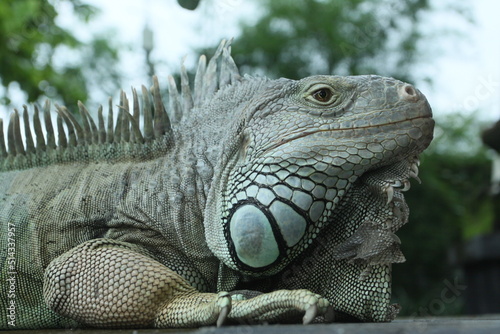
(83, 140)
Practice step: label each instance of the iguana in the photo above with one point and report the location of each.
(247, 200)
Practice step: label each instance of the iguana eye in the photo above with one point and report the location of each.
(323, 95)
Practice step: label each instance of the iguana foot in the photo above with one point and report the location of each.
(195, 309)
(281, 305)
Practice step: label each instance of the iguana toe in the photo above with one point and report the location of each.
(311, 313)
(315, 306)
(224, 303)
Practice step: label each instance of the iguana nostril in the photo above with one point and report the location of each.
(408, 92)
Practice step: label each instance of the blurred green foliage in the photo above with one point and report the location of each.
(46, 59)
(295, 39)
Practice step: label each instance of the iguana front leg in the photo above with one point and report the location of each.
(107, 283)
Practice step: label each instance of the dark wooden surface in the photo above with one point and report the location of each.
(446, 325)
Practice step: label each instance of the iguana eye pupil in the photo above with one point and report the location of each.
(323, 95)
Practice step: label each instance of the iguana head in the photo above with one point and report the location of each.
(301, 145)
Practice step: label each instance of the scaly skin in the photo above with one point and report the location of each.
(286, 194)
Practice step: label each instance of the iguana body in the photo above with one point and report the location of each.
(289, 188)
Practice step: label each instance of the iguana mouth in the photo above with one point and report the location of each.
(298, 135)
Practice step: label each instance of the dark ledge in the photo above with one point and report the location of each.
(440, 325)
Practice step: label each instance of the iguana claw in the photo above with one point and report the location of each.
(223, 315)
(310, 314)
(224, 302)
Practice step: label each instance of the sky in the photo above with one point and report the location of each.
(467, 72)
(464, 67)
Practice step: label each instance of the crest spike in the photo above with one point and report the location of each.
(37, 125)
(3, 150)
(210, 80)
(229, 69)
(148, 115)
(198, 79)
(72, 140)
(102, 129)
(137, 107)
(135, 135)
(88, 124)
(124, 106)
(118, 127)
(187, 97)
(62, 141)
(51, 138)
(30, 145)
(16, 133)
(161, 121)
(110, 133)
(175, 106)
